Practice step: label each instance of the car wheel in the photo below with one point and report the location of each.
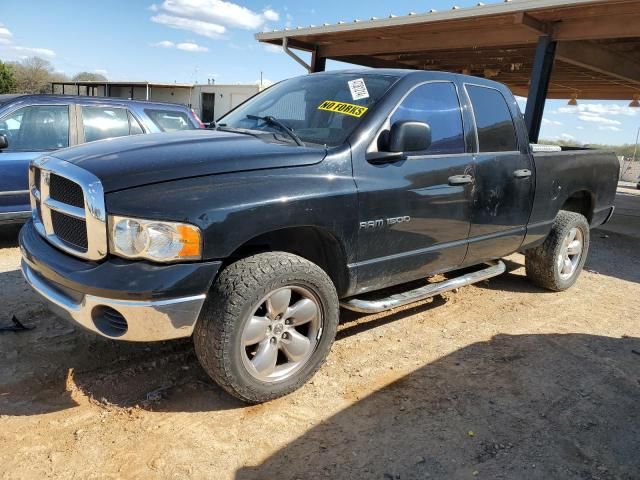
(558, 262)
(267, 326)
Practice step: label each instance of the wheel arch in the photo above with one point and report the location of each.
(316, 244)
(582, 202)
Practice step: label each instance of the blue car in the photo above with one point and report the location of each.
(31, 125)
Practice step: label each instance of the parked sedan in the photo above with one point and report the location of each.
(31, 125)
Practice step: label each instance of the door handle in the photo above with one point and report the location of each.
(524, 173)
(457, 180)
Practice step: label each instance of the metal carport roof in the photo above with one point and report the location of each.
(588, 49)
(597, 56)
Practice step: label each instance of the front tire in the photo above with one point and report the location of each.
(558, 262)
(267, 326)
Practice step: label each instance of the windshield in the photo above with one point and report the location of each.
(320, 109)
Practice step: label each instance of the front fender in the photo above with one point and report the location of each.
(231, 209)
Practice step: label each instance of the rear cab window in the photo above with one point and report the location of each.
(169, 120)
(496, 131)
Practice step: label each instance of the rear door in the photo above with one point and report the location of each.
(98, 122)
(32, 131)
(503, 177)
(414, 220)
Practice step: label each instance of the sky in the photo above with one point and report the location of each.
(196, 40)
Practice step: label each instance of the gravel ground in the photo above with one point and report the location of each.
(498, 380)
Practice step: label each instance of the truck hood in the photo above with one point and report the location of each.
(127, 162)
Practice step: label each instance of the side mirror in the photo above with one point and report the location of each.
(4, 142)
(409, 136)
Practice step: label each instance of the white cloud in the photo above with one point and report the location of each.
(271, 15)
(272, 48)
(600, 109)
(101, 71)
(191, 47)
(546, 121)
(265, 82)
(594, 118)
(566, 136)
(186, 46)
(5, 33)
(612, 129)
(163, 44)
(579, 127)
(206, 29)
(41, 52)
(210, 18)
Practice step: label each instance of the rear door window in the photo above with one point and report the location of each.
(169, 120)
(104, 122)
(36, 128)
(496, 132)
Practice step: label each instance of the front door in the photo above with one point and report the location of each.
(31, 131)
(415, 213)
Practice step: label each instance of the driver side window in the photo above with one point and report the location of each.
(437, 105)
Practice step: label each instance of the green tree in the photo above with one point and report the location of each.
(33, 75)
(7, 79)
(88, 77)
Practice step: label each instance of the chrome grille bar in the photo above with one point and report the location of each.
(93, 214)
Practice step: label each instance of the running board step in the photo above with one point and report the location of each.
(493, 269)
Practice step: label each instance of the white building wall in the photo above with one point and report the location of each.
(227, 97)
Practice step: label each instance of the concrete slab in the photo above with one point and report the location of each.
(626, 219)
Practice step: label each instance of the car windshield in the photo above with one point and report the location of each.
(318, 109)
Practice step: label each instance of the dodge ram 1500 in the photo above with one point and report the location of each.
(320, 192)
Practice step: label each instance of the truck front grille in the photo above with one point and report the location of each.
(65, 191)
(68, 207)
(70, 230)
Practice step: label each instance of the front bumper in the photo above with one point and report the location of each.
(134, 301)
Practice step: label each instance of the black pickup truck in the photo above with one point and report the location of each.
(320, 192)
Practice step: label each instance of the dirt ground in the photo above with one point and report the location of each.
(498, 380)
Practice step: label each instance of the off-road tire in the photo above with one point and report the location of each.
(235, 292)
(541, 262)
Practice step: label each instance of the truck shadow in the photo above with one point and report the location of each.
(9, 235)
(529, 406)
(56, 366)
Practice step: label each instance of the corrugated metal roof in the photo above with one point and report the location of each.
(432, 16)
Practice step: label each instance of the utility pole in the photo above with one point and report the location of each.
(633, 159)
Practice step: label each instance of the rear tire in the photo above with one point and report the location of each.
(267, 326)
(558, 262)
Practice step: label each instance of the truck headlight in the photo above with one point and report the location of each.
(154, 240)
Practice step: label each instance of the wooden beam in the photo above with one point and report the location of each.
(533, 24)
(599, 59)
(453, 39)
(601, 28)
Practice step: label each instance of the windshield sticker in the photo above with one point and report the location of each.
(343, 108)
(358, 89)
